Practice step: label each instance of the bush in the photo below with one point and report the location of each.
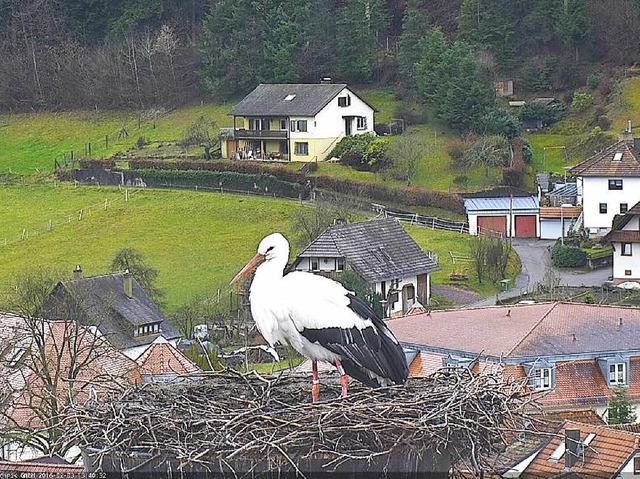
(593, 80)
(141, 142)
(499, 121)
(549, 114)
(563, 256)
(581, 100)
(365, 152)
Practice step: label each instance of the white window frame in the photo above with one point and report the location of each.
(303, 126)
(299, 150)
(361, 122)
(617, 374)
(542, 379)
(626, 249)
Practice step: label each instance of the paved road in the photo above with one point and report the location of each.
(536, 257)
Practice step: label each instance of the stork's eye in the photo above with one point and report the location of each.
(269, 248)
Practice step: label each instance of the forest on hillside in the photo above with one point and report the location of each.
(64, 54)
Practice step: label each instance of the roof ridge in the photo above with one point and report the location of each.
(537, 323)
(606, 427)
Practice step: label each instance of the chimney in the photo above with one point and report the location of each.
(571, 444)
(77, 272)
(627, 134)
(127, 281)
(326, 80)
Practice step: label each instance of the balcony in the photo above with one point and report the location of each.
(242, 134)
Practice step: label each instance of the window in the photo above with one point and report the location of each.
(615, 184)
(627, 272)
(626, 249)
(636, 465)
(301, 148)
(292, 125)
(541, 379)
(340, 264)
(302, 125)
(617, 374)
(623, 208)
(361, 122)
(618, 156)
(603, 208)
(289, 97)
(314, 264)
(283, 124)
(344, 100)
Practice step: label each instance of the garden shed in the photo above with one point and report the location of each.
(503, 212)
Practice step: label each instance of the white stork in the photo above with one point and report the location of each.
(321, 320)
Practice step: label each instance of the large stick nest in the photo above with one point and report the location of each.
(227, 418)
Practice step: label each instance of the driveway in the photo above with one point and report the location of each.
(535, 256)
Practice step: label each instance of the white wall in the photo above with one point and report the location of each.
(324, 264)
(329, 122)
(550, 227)
(596, 191)
(397, 309)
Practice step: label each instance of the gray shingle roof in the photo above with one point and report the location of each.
(377, 250)
(102, 302)
(269, 100)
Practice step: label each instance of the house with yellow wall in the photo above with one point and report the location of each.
(295, 122)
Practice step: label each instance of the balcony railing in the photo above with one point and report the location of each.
(259, 134)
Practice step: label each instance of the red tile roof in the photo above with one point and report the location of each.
(163, 358)
(609, 450)
(603, 164)
(35, 469)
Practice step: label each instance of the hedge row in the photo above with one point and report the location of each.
(260, 184)
(245, 167)
(563, 256)
(410, 196)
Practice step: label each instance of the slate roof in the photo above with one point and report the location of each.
(526, 330)
(103, 303)
(377, 250)
(602, 164)
(269, 99)
(609, 450)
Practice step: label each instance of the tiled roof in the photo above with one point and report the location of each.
(377, 250)
(102, 302)
(36, 469)
(65, 347)
(618, 233)
(584, 415)
(557, 212)
(624, 236)
(603, 164)
(425, 363)
(609, 450)
(161, 358)
(528, 330)
(269, 99)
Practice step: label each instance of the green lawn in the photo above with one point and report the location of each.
(197, 241)
(626, 105)
(30, 142)
(554, 159)
(444, 242)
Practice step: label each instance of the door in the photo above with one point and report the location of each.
(492, 225)
(525, 226)
(347, 125)
(408, 297)
(422, 289)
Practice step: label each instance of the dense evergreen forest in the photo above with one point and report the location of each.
(63, 54)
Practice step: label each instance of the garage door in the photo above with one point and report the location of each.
(492, 225)
(550, 228)
(525, 226)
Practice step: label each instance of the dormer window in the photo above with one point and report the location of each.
(344, 101)
(289, 97)
(617, 374)
(618, 156)
(147, 329)
(541, 379)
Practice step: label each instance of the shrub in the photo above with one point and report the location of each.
(581, 100)
(549, 114)
(141, 142)
(563, 256)
(499, 121)
(362, 152)
(513, 176)
(593, 80)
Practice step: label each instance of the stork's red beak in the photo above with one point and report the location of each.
(249, 268)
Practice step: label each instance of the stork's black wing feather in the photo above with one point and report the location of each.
(370, 349)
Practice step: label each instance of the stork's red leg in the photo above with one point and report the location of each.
(344, 380)
(315, 386)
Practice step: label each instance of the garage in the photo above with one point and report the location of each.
(492, 224)
(552, 218)
(504, 210)
(525, 226)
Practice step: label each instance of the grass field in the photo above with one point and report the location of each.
(553, 160)
(197, 241)
(30, 142)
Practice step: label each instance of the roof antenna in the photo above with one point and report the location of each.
(573, 337)
(508, 313)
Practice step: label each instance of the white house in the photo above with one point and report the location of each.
(608, 184)
(295, 122)
(625, 239)
(382, 254)
(503, 211)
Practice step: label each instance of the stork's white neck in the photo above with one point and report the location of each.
(268, 273)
